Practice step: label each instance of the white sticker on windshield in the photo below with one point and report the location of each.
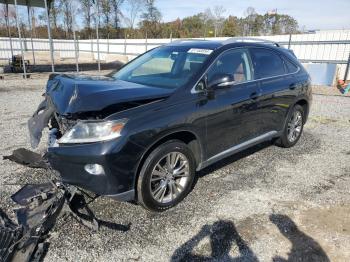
(200, 51)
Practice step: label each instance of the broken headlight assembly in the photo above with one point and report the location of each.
(93, 131)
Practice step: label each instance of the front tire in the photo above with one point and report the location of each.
(166, 176)
(293, 128)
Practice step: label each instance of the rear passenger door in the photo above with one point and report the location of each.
(276, 92)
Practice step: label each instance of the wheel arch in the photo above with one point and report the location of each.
(187, 136)
(305, 105)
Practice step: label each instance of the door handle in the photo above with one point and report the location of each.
(292, 86)
(254, 95)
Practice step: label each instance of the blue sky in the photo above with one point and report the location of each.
(321, 14)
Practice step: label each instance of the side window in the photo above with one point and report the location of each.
(266, 63)
(234, 63)
(291, 68)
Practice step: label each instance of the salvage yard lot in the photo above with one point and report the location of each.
(262, 204)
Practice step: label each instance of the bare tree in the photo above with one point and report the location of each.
(133, 10)
(116, 5)
(106, 12)
(3, 14)
(219, 19)
(69, 10)
(251, 15)
(87, 10)
(207, 16)
(55, 13)
(33, 21)
(8, 15)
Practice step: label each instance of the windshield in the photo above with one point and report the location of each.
(168, 67)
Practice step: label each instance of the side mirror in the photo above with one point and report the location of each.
(221, 80)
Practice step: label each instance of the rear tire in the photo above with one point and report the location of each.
(293, 128)
(166, 176)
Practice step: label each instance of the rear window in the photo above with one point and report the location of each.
(266, 63)
(291, 68)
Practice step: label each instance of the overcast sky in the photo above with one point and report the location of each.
(319, 14)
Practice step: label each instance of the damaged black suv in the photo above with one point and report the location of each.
(142, 133)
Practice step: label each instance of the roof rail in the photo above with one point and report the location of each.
(186, 40)
(250, 40)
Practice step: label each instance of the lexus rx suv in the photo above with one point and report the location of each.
(141, 133)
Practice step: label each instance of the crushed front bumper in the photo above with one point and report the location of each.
(70, 160)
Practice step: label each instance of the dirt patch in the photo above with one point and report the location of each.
(331, 227)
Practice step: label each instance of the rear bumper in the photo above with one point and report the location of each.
(118, 179)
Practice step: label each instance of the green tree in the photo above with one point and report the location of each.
(231, 27)
(288, 24)
(192, 26)
(151, 19)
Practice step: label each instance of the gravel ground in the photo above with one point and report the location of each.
(264, 204)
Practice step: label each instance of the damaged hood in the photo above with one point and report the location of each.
(72, 94)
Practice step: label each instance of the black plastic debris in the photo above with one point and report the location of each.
(10, 233)
(25, 240)
(28, 192)
(40, 207)
(28, 158)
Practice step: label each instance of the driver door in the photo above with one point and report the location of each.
(234, 114)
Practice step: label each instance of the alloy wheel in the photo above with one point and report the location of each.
(295, 126)
(169, 177)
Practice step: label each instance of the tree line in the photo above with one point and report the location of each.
(141, 19)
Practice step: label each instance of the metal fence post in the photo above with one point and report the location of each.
(108, 43)
(146, 42)
(92, 47)
(97, 17)
(8, 27)
(20, 41)
(125, 43)
(290, 40)
(50, 39)
(347, 69)
(76, 52)
(31, 30)
(24, 39)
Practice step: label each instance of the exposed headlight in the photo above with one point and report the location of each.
(93, 131)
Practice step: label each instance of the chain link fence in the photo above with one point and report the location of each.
(320, 47)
